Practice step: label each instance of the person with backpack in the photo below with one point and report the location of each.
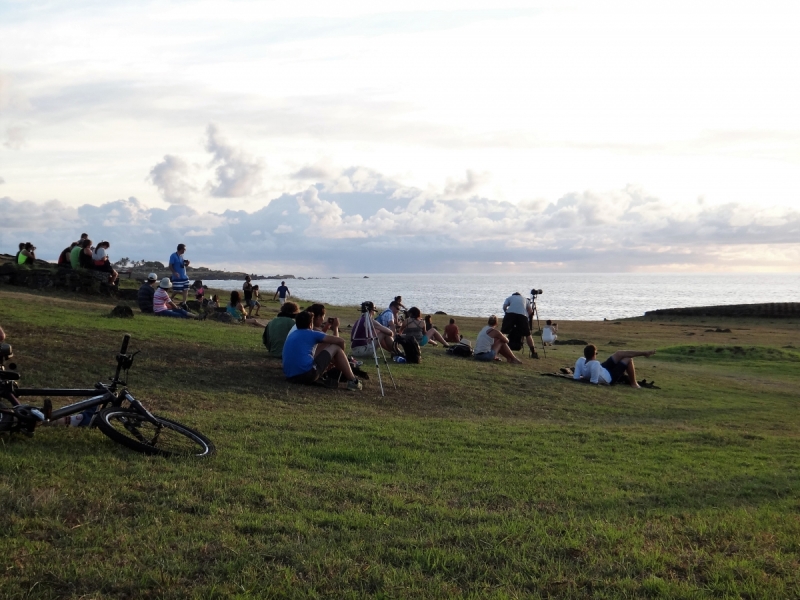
(491, 344)
(388, 318)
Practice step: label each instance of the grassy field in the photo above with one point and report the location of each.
(470, 480)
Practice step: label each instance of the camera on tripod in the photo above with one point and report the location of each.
(535, 292)
(367, 306)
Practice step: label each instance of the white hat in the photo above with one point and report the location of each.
(152, 277)
(165, 283)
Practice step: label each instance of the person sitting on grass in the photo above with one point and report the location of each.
(163, 306)
(144, 298)
(433, 334)
(307, 354)
(360, 344)
(277, 329)
(199, 291)
(617, 368)
(491, 344)
(388, 318)
(236, 310)
(549, 332)
(451, 333)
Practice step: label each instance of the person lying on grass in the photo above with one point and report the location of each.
(617, 368)
(307, 354)
(491, 344)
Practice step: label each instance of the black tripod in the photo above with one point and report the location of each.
(535, 313)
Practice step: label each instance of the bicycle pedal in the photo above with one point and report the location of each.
(47, 409)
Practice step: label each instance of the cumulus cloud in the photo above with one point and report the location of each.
(2, 181)
(169, 176)
(237, 174)
(394, 228)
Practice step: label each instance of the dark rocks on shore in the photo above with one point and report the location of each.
(773, 310)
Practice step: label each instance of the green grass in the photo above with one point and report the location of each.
(471, 480)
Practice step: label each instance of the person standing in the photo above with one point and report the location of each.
(282, 293)
(179, 278)
(517, 312)
(247, 289)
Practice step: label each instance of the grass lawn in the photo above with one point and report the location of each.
(469, 480)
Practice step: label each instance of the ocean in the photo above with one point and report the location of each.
(573, 296)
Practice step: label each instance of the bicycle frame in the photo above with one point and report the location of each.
(107, 393)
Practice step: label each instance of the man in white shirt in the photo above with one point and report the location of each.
(518, 310)
(617, 368)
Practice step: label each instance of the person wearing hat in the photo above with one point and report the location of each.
(146, 293)
(163, 306)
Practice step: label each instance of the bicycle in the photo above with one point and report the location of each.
(116, 413)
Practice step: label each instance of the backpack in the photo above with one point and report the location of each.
(409, 347)
(462, 350)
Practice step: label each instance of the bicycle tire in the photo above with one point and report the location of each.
(172, 439)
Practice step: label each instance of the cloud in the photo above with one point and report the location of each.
(169, 176)
(237, 175)
(15, 138)
(392, 228)
(468, 187)
(2, 181)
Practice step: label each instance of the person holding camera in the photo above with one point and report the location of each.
(549, 332)
(179, 278)
(360, 342)
(518, 311)
(27, 254)
(617, 368)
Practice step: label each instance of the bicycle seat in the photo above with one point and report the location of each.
(9, 375)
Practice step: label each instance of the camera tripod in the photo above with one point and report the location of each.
(372, 339)
(535, 312)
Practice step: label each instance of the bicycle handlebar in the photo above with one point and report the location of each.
(125, 339)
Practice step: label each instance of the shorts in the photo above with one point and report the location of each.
(105, 267)
(282, 299)
(253, 303)
(617, 370)
(362, 351)
(486, 356)
(180, 285)
(321, 362)
(423, 341)
(516, 321)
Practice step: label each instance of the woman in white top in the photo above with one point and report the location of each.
(102, 262)
(491, 344)
(549, 333)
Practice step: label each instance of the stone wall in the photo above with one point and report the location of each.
(773, 310)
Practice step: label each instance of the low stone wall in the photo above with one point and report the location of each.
(772, 310)
(43, 275)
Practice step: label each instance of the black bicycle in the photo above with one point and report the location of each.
(109, 406)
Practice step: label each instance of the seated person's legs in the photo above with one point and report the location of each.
(501, 348)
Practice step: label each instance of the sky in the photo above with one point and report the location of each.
(349, 137)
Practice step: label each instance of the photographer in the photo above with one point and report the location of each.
(179, 278)
(278, 329)
(516, 320)
(360, 343)
(549, 332)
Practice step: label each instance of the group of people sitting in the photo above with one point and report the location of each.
(84, 255)
(26, 255)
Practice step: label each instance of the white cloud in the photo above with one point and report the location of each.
(15, 138)
(169, 176)
(237, 174)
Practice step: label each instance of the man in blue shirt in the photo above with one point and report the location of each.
(282, 292)
(303, 362)
(180, 280)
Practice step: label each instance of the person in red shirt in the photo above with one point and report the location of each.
(451, 333)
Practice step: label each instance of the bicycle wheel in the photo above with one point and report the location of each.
(168, 438)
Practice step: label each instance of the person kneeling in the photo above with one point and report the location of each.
(617, 368)
(304, 362)
(491, 343)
